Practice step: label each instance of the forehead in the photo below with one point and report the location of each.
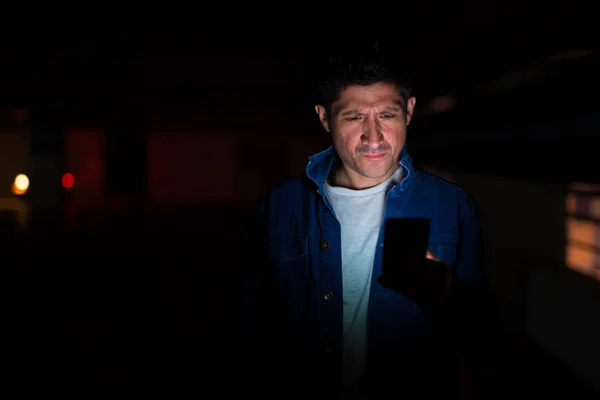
(376, 95)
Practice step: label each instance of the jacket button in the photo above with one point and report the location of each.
(328, 296)
(325, 244)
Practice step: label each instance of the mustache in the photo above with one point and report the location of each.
(366, 149)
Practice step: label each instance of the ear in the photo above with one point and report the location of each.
(410, 109)
(322, 113)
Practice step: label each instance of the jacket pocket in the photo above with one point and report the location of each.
(287, 248)
(289, 257)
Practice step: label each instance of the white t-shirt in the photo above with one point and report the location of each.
(360, 214)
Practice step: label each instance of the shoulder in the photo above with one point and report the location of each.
(447, 191)
(289, 189)
(285, 194)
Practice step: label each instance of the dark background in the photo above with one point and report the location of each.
(174, 126)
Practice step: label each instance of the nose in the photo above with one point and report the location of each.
(372, 135)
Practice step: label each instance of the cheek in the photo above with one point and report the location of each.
(348, 139)
(395, 135)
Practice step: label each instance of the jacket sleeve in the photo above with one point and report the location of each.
(467, 310)
(254, 275)
(469, 269)
(251, 331)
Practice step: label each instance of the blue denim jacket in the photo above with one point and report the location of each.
(293, 298)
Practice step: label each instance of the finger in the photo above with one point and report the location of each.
(431, 256)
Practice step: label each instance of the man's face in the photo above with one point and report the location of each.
(368, 128)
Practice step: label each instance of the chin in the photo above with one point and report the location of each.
(375, 171)
(374, 174)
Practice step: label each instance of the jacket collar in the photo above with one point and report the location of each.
(319, 166)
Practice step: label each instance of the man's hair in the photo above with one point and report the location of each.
(361, 65)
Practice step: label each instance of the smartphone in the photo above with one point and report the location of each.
(405, 246)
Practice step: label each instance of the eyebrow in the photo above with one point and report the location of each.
(356, 111)
(350, 112)
(392, 109)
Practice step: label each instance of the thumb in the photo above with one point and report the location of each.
(431, 256)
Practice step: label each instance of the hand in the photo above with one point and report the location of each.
(432, 257)
(425, 283)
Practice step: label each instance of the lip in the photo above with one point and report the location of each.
(374, 156)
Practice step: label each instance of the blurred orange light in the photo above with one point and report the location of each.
(20, 185)
(68, 180)
(16, 191)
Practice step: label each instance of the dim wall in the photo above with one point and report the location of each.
(14, 158)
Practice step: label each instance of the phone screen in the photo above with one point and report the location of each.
(404, 245)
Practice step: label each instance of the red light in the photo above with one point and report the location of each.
(68, 180)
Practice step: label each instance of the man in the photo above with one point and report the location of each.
(318, 317)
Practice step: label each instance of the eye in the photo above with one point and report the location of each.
(387, 116)
(356, 118)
